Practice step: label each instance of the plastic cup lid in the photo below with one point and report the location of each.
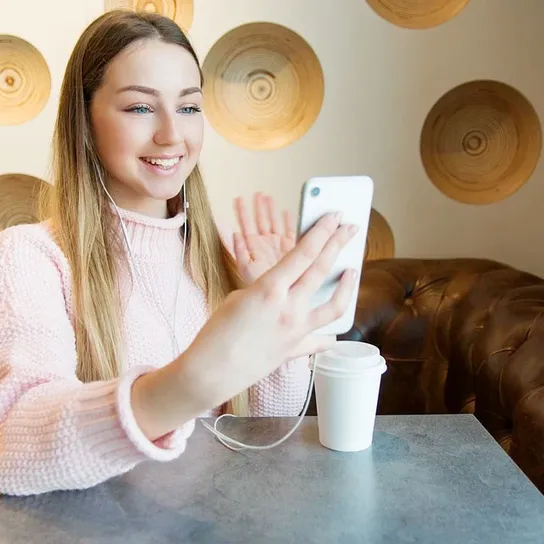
(350, 357)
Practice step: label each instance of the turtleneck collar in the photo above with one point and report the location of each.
(154, 238)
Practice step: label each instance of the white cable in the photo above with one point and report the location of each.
(235, 445)
(136, 273)
(223, 438)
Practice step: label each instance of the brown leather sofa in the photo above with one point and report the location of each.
(460, 335)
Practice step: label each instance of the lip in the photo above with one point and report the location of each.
(166, 157)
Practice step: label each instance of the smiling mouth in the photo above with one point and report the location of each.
(163, 164)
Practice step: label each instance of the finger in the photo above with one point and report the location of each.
(289, 224)
(261, 214)
(303, 255)
(316, 274)
(246, 226)
(337, 305)
(273, 216)
(242, 217)
(288, 240)
(240, 249)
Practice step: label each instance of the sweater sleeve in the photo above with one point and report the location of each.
(284, 391)
(56, 432)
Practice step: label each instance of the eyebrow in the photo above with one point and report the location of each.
(154, 92)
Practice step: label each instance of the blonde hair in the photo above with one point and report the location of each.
(77, 205)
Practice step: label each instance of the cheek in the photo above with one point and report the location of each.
(115, 138)
(194, 135)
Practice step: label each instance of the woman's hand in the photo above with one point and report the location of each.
(253, 332)
(259, 328)
(258, 247)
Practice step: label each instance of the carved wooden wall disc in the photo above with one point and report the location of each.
(263, 86)
(481, 142)
(180, 11)
(417, 13)
(19, 199)
(380, 242)
(25, 81)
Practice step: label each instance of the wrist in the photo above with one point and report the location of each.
(198, 380)
(159, 404)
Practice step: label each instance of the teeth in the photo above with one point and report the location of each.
(164, 163)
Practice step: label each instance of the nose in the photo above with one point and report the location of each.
(168, 130)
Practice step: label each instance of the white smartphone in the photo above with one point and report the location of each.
(352, 196)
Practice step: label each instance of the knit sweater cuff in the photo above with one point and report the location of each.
(165, 448)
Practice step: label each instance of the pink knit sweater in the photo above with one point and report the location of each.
(59, 433)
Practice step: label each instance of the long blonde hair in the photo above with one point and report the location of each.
(76, 204)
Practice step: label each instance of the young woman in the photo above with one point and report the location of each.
(123, 315)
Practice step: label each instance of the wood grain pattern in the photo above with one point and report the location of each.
(417, 14)
(18, 199)
(263, 86)
(180, 11)
(25, 81)
(481, 142)
(380, 242)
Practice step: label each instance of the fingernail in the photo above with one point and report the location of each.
(353, 229)
(338, 216)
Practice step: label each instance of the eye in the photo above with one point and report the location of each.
(189, 110)
(140, 109)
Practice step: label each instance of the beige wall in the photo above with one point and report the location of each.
(380, 82)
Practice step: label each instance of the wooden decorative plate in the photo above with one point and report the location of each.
(481, 142)
(263, 86)
(180, 11)
(417, 13)
(380, 242)
(25, 81)
(18, 199)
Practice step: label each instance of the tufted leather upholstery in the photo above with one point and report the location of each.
(460, 335)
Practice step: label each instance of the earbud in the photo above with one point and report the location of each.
(185, 201)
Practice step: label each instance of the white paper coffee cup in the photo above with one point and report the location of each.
(347, 384)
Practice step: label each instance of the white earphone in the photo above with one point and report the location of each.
(135, 272)
(226, 440)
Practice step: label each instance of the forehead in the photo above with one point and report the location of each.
(162, 66)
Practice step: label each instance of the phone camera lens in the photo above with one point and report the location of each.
(315, 191)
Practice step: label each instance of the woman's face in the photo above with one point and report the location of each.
(147, 124)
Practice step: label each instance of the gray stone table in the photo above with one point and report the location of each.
(426, 479)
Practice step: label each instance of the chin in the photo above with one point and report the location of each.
(166, 194)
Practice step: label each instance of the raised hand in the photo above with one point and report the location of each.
(263, 239)
(270, 322)
(253, 332)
